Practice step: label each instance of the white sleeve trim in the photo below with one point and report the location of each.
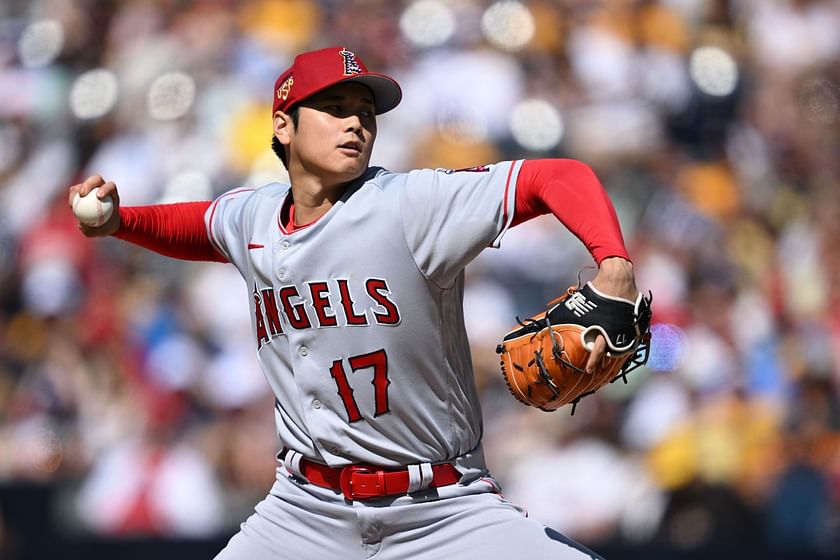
(509, 201)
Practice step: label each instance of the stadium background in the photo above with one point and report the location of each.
(133, 421)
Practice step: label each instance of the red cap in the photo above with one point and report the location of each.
(315, 71)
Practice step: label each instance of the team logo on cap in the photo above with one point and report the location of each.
(351, 66)
(283, 90)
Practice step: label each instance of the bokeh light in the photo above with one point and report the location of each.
(536, 125)
(94, 94)
(51, 286)
(427, 23)
(508, 25)
(459, 124)
(667, 347)
(42, 448)
(820, 101)
(713, 70)
(171, 96)
(40, 43)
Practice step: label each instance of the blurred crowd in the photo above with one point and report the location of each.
(128, 381)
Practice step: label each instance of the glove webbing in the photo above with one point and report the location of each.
(546, 378)
(557, 354)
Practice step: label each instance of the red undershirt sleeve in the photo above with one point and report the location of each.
(174, 230)
(570, 190)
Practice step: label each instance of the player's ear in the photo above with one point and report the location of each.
(283, 127)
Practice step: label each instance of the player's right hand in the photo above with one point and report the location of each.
(105, 188)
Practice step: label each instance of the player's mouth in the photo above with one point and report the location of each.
(351, 148)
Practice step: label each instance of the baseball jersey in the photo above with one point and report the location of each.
(357, 317)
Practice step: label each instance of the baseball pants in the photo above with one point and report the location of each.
(301, 521)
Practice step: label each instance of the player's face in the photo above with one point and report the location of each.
(335, 134)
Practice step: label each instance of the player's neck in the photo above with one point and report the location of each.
(313, 197)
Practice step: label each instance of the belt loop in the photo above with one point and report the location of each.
(415, 479)
(426, 475)
(292, 462)
(420, 477)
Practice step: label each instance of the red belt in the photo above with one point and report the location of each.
(362, 482)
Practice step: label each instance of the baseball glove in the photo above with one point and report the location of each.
(543, 359)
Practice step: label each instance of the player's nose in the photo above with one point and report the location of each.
(352, 123)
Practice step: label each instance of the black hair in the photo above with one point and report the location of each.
(276, 146)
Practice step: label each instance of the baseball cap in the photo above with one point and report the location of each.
(315, 71)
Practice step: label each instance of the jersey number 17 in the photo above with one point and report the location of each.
(378, 361)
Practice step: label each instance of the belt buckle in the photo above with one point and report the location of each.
(355, 489)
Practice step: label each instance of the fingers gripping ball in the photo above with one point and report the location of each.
(92, 211)
(543, 361)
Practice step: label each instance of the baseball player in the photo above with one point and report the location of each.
(356, 276)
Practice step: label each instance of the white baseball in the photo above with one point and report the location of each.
(92, 211)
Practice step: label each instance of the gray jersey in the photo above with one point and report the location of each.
(358, 318)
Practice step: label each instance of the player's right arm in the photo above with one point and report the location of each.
(174, 230)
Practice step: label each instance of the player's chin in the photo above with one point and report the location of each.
(353, 165)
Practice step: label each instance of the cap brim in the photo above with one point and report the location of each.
(386, 91)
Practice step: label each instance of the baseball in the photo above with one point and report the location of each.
(92, 211)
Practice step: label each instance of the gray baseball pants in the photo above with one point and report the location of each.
(301, 521)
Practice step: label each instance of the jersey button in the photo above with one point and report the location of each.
(303, 351)
(316, 404)
(285, 245)
(281, 273)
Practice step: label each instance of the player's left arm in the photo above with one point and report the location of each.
(571, 191)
